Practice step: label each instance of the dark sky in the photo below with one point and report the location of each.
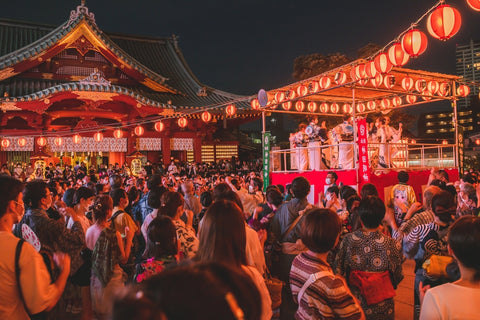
(244, 45)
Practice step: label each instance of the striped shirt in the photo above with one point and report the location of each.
(326, 298)
(412, 241)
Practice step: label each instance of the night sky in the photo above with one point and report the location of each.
(242, 46)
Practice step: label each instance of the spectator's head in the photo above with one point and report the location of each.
(36, 195)
(220, 189)
(333, 190)
(220, 292)
(438, 183)
(468, 178)
(371, 212)
(468, 193)
(274, 197)
(187, 187)
(428, 194)
(11, 198)
(84, 197)
(257, 184)
(161, 238)
(443, 206)
(102, 208)
(368, 189)
(154, 181)
(352, 203)
(68, 197)
(403, 176)
(300, 187)
(222, 236)
(464, 242)
(443, 175)
(321, 230)
(115, 181)
(172, 204)
(119, 197)
(155, 196)
(331, 178)
(206, 199)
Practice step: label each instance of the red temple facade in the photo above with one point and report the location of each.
(74, 93)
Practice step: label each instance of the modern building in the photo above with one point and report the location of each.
(468, 66)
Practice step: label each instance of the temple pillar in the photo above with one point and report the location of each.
(197, 148)
(166, 150)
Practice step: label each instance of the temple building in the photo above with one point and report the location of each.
(75, 93)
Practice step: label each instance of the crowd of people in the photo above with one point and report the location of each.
(189, 243)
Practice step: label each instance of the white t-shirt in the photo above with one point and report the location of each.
(451, 301)
(262, 288)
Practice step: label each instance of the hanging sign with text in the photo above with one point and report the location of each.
(363, 150)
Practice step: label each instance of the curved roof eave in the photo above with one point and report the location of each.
(48, 41)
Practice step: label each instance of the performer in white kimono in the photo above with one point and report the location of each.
(301, 140)
(387, 135)
(314, 143)
(343, 134)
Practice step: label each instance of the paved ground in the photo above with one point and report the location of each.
(404, 298)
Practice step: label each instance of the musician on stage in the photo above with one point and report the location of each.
(300, 140)
(343, 135)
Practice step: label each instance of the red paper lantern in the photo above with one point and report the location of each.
(347, 108)
(255, 104)
(313, 87)
(299, 106)
(98, 136)
(420, 85)
(463, 90)
(389, 81)
(58, 141)
(324, 107)
(444, 89)
(41, 141)
(370, 69)
(444, 22)
(290, 94)
(139, 131)
(427, 95)
(77, 139)
(334, 107)
(5, 143)
(407, 83)
(362, 82)
(371, 105)
(159, 126)
(382, 64)
(340, 78)
(396, 101)
(397, 56)
(377, 80)
(22, 142)
(414, 42)
(280, 96)
(312, 106)
(118, 133)
(230, 110)
(385, 103)
(411, 98)
(182, 122)
(358, 72)
(206, 116)
(287, 105)
(360, 107)
(302, 90)
(474, 4)
(324, 82)
(432, 86)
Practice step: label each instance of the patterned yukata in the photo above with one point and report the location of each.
(372, 252)
(187, 238)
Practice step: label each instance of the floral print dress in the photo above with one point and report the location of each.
(373, 252)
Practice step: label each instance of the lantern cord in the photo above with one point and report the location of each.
(413, 25)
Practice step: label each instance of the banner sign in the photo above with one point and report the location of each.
(363, 150)
(266, 159)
